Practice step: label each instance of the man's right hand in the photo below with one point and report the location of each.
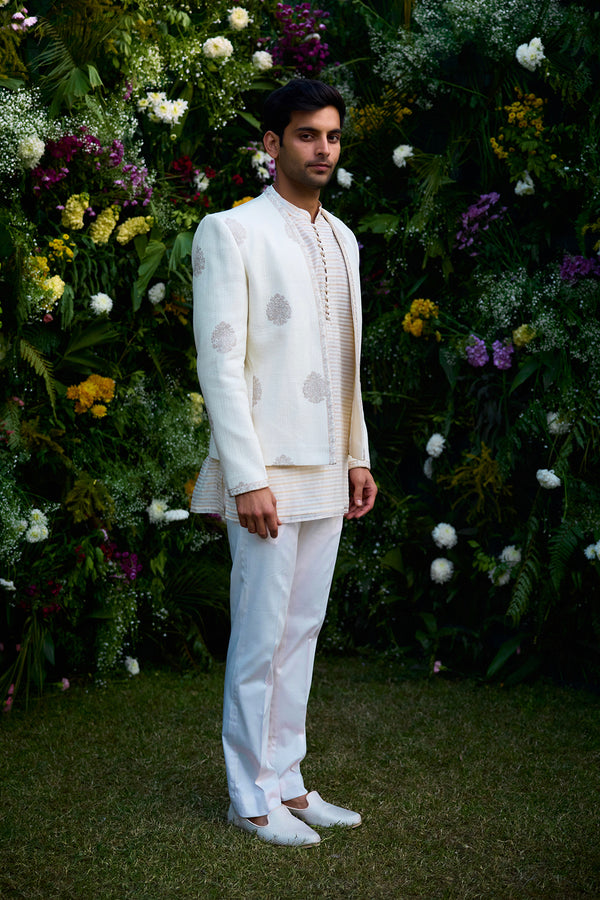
(257, 511)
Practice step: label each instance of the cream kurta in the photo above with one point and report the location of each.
(305, 493)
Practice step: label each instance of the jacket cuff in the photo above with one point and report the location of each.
(358, 463)
(243, 488)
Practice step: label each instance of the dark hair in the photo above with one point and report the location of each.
(300, 93)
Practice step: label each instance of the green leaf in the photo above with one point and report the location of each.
(507, 649)
(155, 251)
(182, 247)
(49, 648)
(379, 223)
(526, 371)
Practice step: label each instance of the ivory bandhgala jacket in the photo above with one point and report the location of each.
(259, 328)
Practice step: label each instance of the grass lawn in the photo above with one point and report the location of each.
(466, 791)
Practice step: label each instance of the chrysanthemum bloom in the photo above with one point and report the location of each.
(435, 445)
(157, 293)
(156, 511)
(132, 665)
(262, 60)
(344, 178)
(556, 424)
(401, 154)
(530, 55)
(511, 555)
(547, 478)
(217, 48)
(525, 185)
(444, 535)
(441, 570)
(101, 303)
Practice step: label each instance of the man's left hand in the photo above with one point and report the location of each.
(363, 491)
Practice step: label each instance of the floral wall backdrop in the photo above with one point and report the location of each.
(471, 177)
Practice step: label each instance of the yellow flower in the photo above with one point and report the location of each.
(102, 227)
(239, 202)
(523, 335)
(131, 227)
(75, 208)
(55, 286)
(98, 410)
(89, 392)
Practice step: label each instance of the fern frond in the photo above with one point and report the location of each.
(529, 574)
(41, 366)
(563, 544)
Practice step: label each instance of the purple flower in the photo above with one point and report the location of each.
(573, 268)
(502, 354)
(477, 354)
(476, 219)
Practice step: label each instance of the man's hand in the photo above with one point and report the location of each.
(363, 491)
(257, 511)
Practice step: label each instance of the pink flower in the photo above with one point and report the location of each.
(65, 684)
(437, 666)
(8, 704)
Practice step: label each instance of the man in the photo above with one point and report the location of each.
(277, 323)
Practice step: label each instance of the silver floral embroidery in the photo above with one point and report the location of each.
(283, 460)
(223, 337)
(237, 229)
(198, 261)
(315, 388)
(256, 391)
(278, 310)
(242, 487)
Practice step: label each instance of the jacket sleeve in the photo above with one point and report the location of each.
(220, 329)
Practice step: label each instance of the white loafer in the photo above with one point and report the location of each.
(283, 829)
(318, 812)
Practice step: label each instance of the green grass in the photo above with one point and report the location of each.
(466, 791)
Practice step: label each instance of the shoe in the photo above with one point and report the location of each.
(283, 829)
(318, 812)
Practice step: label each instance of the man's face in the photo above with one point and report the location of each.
(310, 149)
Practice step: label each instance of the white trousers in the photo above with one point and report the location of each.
(279, 593)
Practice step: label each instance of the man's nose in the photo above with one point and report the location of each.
(323, 148)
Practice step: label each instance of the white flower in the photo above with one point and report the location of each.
(217, 48)
(37, 517)
(201, 182)
(30, 151)
(556, 425)
(511, 555)
(591, 551)
(435, 445)
(156, 511)
(176, 515)
(262, 60)
(239, 18)
(501, 579)
(428, 467)
(442, 570)
(344, 178)
(547, 478)
(401, 154)
(132, 665)
(160, 109)
(36, 533)
(157, 293)
(7, 585)
(101, 303)
(525, 185)
(531, 55)
(444, 535)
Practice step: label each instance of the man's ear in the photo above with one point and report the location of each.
(271, 144)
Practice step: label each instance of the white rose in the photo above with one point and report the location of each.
(547, 479)
(262, 60)
(239, 18)
(344, 178)
(401, 154)
(441, 570)
(217, 48)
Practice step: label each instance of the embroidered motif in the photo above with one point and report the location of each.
(315, 388)
(237, 229)
(256, 391)
(223, 338)
(283, 460)
(242, 487)
(198, 261)
(278, 310)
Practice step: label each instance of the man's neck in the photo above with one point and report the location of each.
(308, 200)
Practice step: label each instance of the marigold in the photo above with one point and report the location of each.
(89, 392)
